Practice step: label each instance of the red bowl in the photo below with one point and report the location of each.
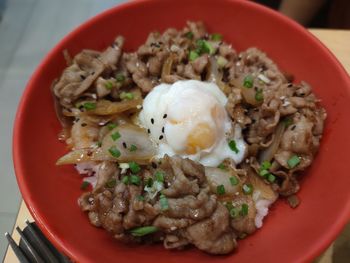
(288, 235)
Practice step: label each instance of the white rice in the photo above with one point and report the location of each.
(89, 171)
(262, 208)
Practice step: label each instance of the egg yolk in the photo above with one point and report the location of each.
(201, 137)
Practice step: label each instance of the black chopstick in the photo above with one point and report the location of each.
(19, 253)
(40, 246)
(28, 248)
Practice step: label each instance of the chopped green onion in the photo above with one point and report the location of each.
(111, 183)
(134, 179)
(99, 144)
(125, 180)
(140, 198)
(134, 167)
(265, 165)
(126, 96)
(89, 105)
(193, 55)
(244, 210)
(271, 178)
(233, 146)
(247, 189)
(149, 182)
(189, 35)
(216, 37)
(234, 180)
(263, 173)
(293, 161)
(114, 152)
(222, 166)
(220, 189)
(287, 122)
(115, 136)
(248, 81)
(109, 85)
(142, 231)
(159, 176)
(204, 47)
(133, 148)
(233, 211)
(259, 96)
(163, 202)
(120, 77)
(111, 126)
(221, 61)
(84, 185)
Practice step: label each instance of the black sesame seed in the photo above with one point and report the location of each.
(152, 121)
(148, 130)
(92, 73)
(165, 115)
(256, 89)
(161, 137)
(290, 85)
(154, 165)
(293, 127)
(83, 124)
(89, 153)
(155, 45)
(82, 77)
(302, 94)
(124, 145)
(163, 130)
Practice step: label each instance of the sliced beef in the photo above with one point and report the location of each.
(181, 184)
(192, 207)
(213, 235)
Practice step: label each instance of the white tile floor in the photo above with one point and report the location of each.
(28, 30)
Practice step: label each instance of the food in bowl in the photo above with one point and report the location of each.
(185, 141)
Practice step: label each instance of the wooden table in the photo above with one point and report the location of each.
(338, 41)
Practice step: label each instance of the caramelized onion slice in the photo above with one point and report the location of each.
(167, 67)
(83, 155)
(266, 191)
(129, 135)
(217, 176)
(268, 153)
(215, 75)
(106, 107)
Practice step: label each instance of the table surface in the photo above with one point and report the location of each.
(338, 41)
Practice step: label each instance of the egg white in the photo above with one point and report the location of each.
(174, 114)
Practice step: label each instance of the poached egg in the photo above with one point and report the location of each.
(188, 118)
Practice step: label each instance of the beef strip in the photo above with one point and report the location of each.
(213, 235)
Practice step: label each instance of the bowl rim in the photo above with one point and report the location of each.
(318, 247)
